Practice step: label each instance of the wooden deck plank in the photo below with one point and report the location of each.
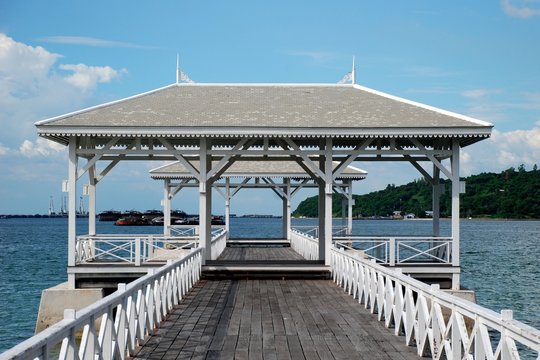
(259, 254)
(272, 319)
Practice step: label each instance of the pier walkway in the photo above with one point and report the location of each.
(271, 319)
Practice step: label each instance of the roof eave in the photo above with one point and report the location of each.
(66, 131)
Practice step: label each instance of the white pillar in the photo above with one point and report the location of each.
(436, 201)
(227, 206)
(350, 203)
(288, 212)
(286, 218)
(283, 217)
(455, 210)
(328, 201)
(166, 207)
(92, 200)
(322, 223)
(322, 207)
(205, 201)
(72, 207)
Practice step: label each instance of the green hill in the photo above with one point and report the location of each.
(509, 194)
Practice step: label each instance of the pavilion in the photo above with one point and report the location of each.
(285, 178)
(313, 125)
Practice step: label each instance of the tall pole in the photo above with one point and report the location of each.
(166, 207)
(350, 203)
(436, 201)
(72, 207)
(328, 200)
(227, 206)
(455, 210)
(205, 200)
(92, 200)
(286, 209)
(322, 207)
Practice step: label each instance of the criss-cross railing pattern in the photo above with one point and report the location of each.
(394, 250)
(438, 324)
(126, 318)
(134, 249)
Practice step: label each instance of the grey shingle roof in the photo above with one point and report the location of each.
(261, 110)
(287, 169)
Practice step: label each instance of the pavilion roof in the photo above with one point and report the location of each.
(254, 169)
(264, 110)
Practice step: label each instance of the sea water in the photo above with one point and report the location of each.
(499, 259)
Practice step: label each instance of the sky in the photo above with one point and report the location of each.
(478, 58)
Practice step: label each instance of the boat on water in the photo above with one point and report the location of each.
(132, 221)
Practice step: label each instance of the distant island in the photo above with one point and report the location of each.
(511, 194)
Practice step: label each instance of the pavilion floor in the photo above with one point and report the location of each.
(271, 319)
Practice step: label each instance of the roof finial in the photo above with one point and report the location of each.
(178, 76)
(353, 72)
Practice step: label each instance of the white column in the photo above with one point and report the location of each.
(436, 201)
(322, 206)
(72, 207)
(350, 203)
(286, 218)
(455, 210)
(288, 212)
(328, 201)
(322, 223)
(166, 207)
(205, 201)
(92, 200)
(227, 205)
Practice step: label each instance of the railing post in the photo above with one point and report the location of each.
(392, 251)
(151, 247)
(68, 350)
(137, 252)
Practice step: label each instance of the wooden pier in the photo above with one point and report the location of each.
(271, 319)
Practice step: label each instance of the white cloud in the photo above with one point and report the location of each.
(33, 86)
(523, 10)
(86, 77)
(41, 147)
(503, 150)
(3, 150)
(88, 41)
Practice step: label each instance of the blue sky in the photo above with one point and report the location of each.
(479, 58)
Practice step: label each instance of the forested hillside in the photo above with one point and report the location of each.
(513, 193)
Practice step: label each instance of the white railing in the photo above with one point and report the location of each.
(438, 324)
(305, 245)
(392, 250)
(127, 317)
(219, 242)
(184, 230)
(131, 249)
(191, 230)
(313, 230)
